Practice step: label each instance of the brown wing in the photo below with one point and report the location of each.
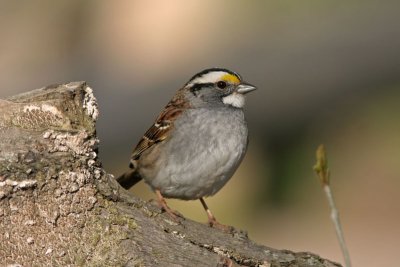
(159, 131)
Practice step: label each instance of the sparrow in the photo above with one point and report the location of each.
(196, 143)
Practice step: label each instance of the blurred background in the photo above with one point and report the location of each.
(327, 72)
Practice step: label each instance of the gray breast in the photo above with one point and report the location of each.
(205, 149)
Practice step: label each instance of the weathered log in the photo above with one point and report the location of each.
(58, 207)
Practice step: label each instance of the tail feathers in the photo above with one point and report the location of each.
(129, 179)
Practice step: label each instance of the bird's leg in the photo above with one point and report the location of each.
(161, 201)
(212, 221)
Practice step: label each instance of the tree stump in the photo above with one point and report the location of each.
(58, 207)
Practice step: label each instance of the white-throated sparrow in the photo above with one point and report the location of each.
(196, 143)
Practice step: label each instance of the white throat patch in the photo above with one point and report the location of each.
(234, 99)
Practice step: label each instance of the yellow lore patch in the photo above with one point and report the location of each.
(230, 78)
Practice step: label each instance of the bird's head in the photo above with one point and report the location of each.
(218, 86)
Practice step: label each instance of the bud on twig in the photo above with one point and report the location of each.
(322, 171)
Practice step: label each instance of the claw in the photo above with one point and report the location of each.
(163, 204)
(212, 221)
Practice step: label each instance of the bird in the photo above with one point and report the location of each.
(196, 143)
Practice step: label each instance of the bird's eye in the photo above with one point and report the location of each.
(221, 84)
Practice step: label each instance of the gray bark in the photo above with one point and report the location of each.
(58, 207)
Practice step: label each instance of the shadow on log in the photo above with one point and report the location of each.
(58, 207)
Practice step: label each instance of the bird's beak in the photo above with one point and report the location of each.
(245, 88)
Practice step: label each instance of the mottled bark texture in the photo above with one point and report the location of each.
(58, 207)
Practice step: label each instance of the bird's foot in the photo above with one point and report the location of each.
(212, 222)
(175, 215)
